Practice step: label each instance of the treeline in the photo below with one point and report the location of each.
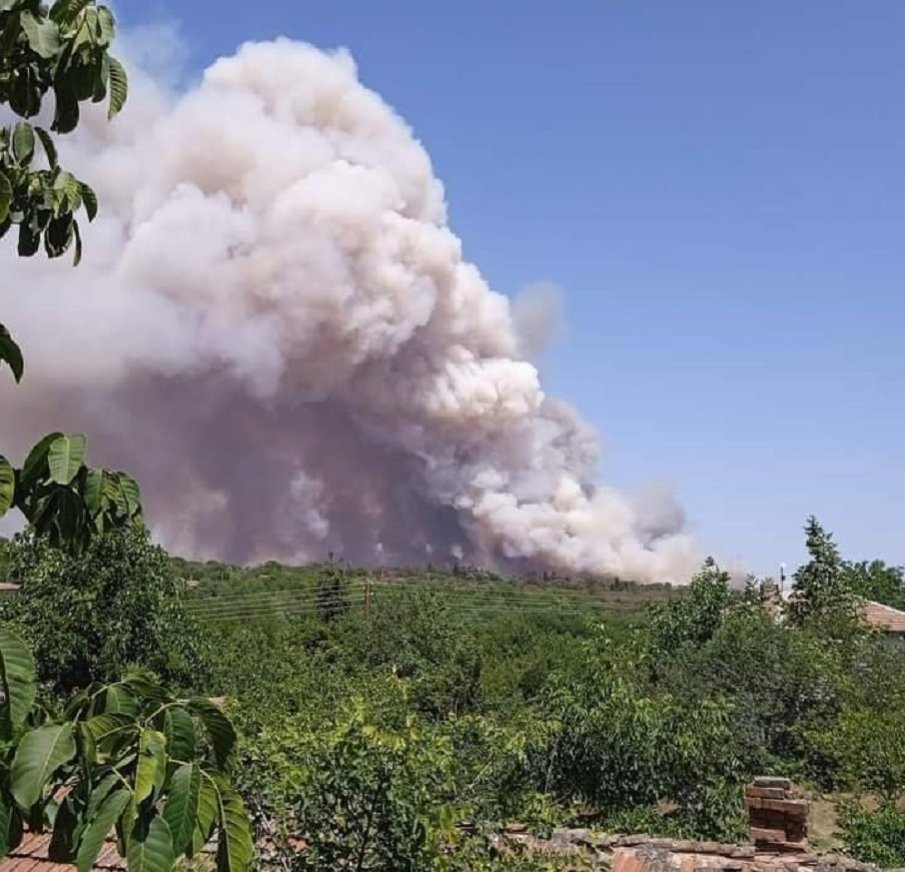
(370, 737)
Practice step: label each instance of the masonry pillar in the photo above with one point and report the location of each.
(777, 816)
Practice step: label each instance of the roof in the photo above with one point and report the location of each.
(664, 855)
(31, 856)
(884, 617)
(642, 853)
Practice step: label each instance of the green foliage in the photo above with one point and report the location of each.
(428, 712)
(876, 837)
(692, 618)
(621, 747)
(111, 751)
(64, 499)
(822, 594)
(777, 681)
(63, 50)
(866, 747)
(874, 580)
(91, 615)
(332, 594)
(10, 353)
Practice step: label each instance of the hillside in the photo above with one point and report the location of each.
(221, 592)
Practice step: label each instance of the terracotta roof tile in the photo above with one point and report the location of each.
(884, 617)
(31, 856)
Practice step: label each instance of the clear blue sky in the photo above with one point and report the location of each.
(719, 187)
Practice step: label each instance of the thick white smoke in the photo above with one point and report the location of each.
(275, 330)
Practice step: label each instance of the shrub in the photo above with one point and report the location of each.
(876, 837)
(367, 787)
(620, 746)
(91, 616)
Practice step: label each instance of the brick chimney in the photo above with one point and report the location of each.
(777, 816)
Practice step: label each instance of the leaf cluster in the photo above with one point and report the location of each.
(128, 758)
(64, 51)
(63, 498)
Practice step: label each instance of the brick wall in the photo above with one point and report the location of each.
(777, 816)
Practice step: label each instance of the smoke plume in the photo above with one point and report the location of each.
(274, 329)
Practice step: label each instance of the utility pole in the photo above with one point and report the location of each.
(368, 596)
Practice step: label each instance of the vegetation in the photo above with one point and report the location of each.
(394, 720)
(876, 837)
(124, 756)
(383, 720)
(61, 50)
(91, 616)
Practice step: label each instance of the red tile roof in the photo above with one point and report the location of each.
(31, 856)
(882, 617)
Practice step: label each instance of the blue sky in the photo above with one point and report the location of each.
(719, 188)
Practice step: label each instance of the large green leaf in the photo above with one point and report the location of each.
(130, 492)
(119, 87)
(6, 197)
(99, 827)
(40, 753)
(110, 731)
(106, 26)
(218, 728)
(66, 456)
(7, 485)
(89, 200)
(23, 142)
(17, 673)
(152, 763)
(35, 466)
(43, 36)
(182, 740)
(118, 699)
(208, 810)
(146, 686)
(150, 847)
(235, 847)
(181, 809)
(10, 353)
(66, 11)
(93, 493)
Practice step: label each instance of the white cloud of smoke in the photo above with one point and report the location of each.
(274, 329)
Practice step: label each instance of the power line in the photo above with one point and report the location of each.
(476, 608)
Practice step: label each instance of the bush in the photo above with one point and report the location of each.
(876, 837)
(92, 616)
(622, 747)
(779, 681)
(367, 787)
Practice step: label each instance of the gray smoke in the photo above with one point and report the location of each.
(274, 329)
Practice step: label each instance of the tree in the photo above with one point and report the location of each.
(126, 757)
(876, 581)
(693, 617)
(63, 50)
(331, 593)
(91, 616)
(822, 593)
